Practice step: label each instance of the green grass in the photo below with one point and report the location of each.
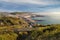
(43, 32)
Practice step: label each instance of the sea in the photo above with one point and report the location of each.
(47, 19)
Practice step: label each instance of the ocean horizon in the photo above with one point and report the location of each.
(48, 19)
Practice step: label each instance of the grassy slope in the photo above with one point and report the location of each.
(51, 32)
(12, 23)
(48, 32)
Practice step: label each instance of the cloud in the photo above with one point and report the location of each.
(54, 10)
(43, 2)
(5, 10)
(30, 5)
(49, 13)
(24, 1)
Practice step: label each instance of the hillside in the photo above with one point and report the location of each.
(40, 32)
(10, 22)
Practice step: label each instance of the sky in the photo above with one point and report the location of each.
(30, 6)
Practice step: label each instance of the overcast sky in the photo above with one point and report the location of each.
(30, 5)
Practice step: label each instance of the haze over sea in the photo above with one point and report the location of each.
(50, 18)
